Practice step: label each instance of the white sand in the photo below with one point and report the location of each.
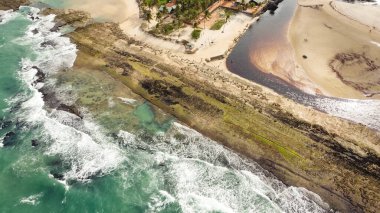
(371, 16)
(211, 43)
(108, 10)
(126, 13)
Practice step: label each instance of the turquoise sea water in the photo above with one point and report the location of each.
(124, 155)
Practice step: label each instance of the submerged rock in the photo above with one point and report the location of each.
(34, 143)
(9, 139)
(57, 175)
(41, 76)
(5, 124)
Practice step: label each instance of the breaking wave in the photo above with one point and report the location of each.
(78, 143)
(6, 16)
(203, 176)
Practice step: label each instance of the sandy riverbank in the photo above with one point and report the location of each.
(337, 47)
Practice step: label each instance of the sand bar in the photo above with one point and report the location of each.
(319, 32)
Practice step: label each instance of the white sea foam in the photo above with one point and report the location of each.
(32, 199)
(160, 201)
(200, 204)
(6, 16)
(203, 176)
(80, 144)
(128, 101)
(1, 141)
(348, 109)
(128, 138)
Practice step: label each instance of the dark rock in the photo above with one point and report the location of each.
(35, 31)
(304, 56)
(57, 175)
(34, 143)
(55, 28)
(5, 124)
(223, 160)
(49, 97)
(9, 139)
(48, 43)
(70, 109)
(127, 68)
(40, 75)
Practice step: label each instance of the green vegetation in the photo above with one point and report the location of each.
(186, 11)
(218, 24)
(167, 28)
(196, 34)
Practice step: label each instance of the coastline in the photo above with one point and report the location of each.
(222, 106)
(223, 109)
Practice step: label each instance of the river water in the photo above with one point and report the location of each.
(272, 27)
(121, 154)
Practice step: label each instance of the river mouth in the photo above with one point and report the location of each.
(256, 38)
(269, 31)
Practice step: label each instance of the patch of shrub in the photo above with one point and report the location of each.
(196, 34)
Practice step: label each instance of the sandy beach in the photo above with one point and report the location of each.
(211, 42)
(337, 47)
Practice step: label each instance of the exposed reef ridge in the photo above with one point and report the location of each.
(243, 117)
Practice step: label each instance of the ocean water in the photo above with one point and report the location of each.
(120, 154)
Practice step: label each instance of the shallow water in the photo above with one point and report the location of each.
(271, 28)
(125, 155)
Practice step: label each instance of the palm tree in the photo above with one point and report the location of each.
(207, 16)
(148, 15)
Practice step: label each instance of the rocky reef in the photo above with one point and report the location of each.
(297, 151)
(12, 4)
